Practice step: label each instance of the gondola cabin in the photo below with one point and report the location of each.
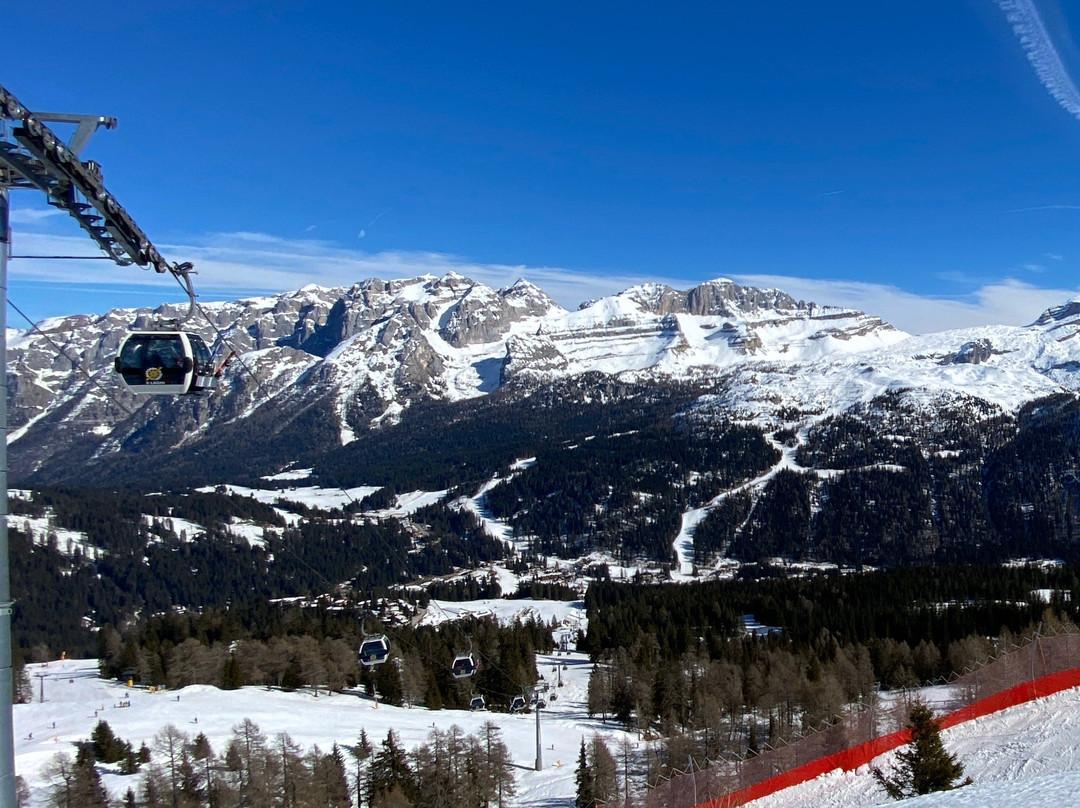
(464, 666)
(518, 704)
(165, 363)
(477, 702)
(374, 650)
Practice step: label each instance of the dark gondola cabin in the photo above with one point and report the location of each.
(464, 666)
(165, 363)
(477, 702)
(374, 650)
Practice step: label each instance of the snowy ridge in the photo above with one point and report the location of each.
(367, 353)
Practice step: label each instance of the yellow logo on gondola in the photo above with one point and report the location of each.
(153, 375)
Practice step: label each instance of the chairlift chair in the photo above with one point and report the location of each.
(165, 363)
(374, 650)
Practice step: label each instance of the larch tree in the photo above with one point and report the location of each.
(604, 771)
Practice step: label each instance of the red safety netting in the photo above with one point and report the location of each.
(1045, 666)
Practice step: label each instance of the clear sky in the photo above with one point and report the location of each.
(919, 160)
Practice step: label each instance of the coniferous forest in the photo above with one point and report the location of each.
(255, 770)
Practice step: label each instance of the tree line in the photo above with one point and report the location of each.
(180, 771)
(132, 562)
(315, 647)
(678, 662)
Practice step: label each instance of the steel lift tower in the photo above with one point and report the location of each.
(33, 157)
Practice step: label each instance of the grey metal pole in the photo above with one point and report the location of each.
(7, 691)
(539, 748)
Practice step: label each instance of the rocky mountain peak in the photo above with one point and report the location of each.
(1057, 314)
(359, 356)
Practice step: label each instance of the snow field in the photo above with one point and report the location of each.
(1025, 752)
(76, 699)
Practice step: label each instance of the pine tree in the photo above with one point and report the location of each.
(362, 753)
(390, 776)
(583, 777)
(925, 766)
(231, 676)
(203, 754)
(599, 692)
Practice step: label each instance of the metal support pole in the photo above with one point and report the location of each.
(539, 748)
(7, 692)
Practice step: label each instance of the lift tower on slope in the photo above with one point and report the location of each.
(33, 157)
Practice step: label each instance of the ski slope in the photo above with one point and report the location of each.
(1027, 752)
(76, 699)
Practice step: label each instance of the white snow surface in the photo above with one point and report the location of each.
(182, 528)
(42, 531)
(73, 693)
(568, 615)
(1026, 752)
(311, 496)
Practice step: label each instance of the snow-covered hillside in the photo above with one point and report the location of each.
(76, 699)
(364, 354)
(1025, 755)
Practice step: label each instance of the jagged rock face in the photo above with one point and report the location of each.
(715, 298)
(974, 353)
(360, 356)
(1059, 314)
(485, 316)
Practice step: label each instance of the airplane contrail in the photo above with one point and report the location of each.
(1028, 26)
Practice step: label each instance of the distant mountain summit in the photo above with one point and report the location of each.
(321, 366)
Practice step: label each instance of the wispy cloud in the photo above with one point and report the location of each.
(1044, 207)
(1005, 302)
(230, 265)
(1028, 26)
(363, 233)
(32, 216)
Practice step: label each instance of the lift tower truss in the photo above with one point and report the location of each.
(32, 156)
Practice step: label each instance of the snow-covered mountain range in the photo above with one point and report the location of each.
(349, 359)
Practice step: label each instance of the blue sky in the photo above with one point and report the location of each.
(909, 159)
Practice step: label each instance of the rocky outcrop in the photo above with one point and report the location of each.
(973, 353)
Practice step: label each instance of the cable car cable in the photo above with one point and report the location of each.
(185, 284)
(74, 363)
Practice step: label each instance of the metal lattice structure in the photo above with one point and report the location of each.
(33, 157)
